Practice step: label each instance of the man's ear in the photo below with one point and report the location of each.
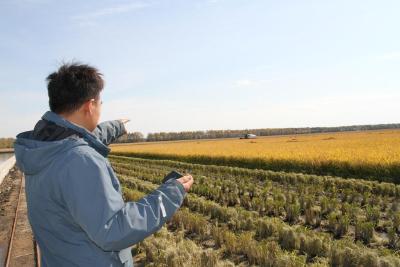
(87, 107)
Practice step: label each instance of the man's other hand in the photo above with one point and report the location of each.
(186, 181)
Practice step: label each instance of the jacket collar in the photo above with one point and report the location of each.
(89, 137)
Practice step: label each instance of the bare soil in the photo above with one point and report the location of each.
(22, 252)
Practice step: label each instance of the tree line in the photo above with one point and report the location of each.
(7, 142)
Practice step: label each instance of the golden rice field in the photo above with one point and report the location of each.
(368, 147)
(367, 154)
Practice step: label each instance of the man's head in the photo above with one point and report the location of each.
(74, 93)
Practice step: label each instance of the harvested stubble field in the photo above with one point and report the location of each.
(244, 217)
(372, 155)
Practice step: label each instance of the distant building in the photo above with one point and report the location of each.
(248, 136)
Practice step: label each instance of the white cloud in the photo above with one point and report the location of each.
(207, 3)
(390, 56)
(251, 83)
(214, 1)
(90, 17)
(30, 2)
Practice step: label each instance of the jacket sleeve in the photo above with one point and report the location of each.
(98, 208)
(109, 131)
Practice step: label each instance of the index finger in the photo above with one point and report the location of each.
(124, 120)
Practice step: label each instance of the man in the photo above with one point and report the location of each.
(75, 205)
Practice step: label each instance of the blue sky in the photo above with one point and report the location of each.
(173, 65)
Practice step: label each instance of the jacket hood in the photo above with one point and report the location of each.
(33, 155)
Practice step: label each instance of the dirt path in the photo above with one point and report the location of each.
(22, 252)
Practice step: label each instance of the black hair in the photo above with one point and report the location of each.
(72, 85)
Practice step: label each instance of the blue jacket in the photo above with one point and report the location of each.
(74, 199)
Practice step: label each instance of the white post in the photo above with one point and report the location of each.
(5, 167)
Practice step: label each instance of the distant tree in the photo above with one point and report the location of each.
(7, 142)
(131, 138)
